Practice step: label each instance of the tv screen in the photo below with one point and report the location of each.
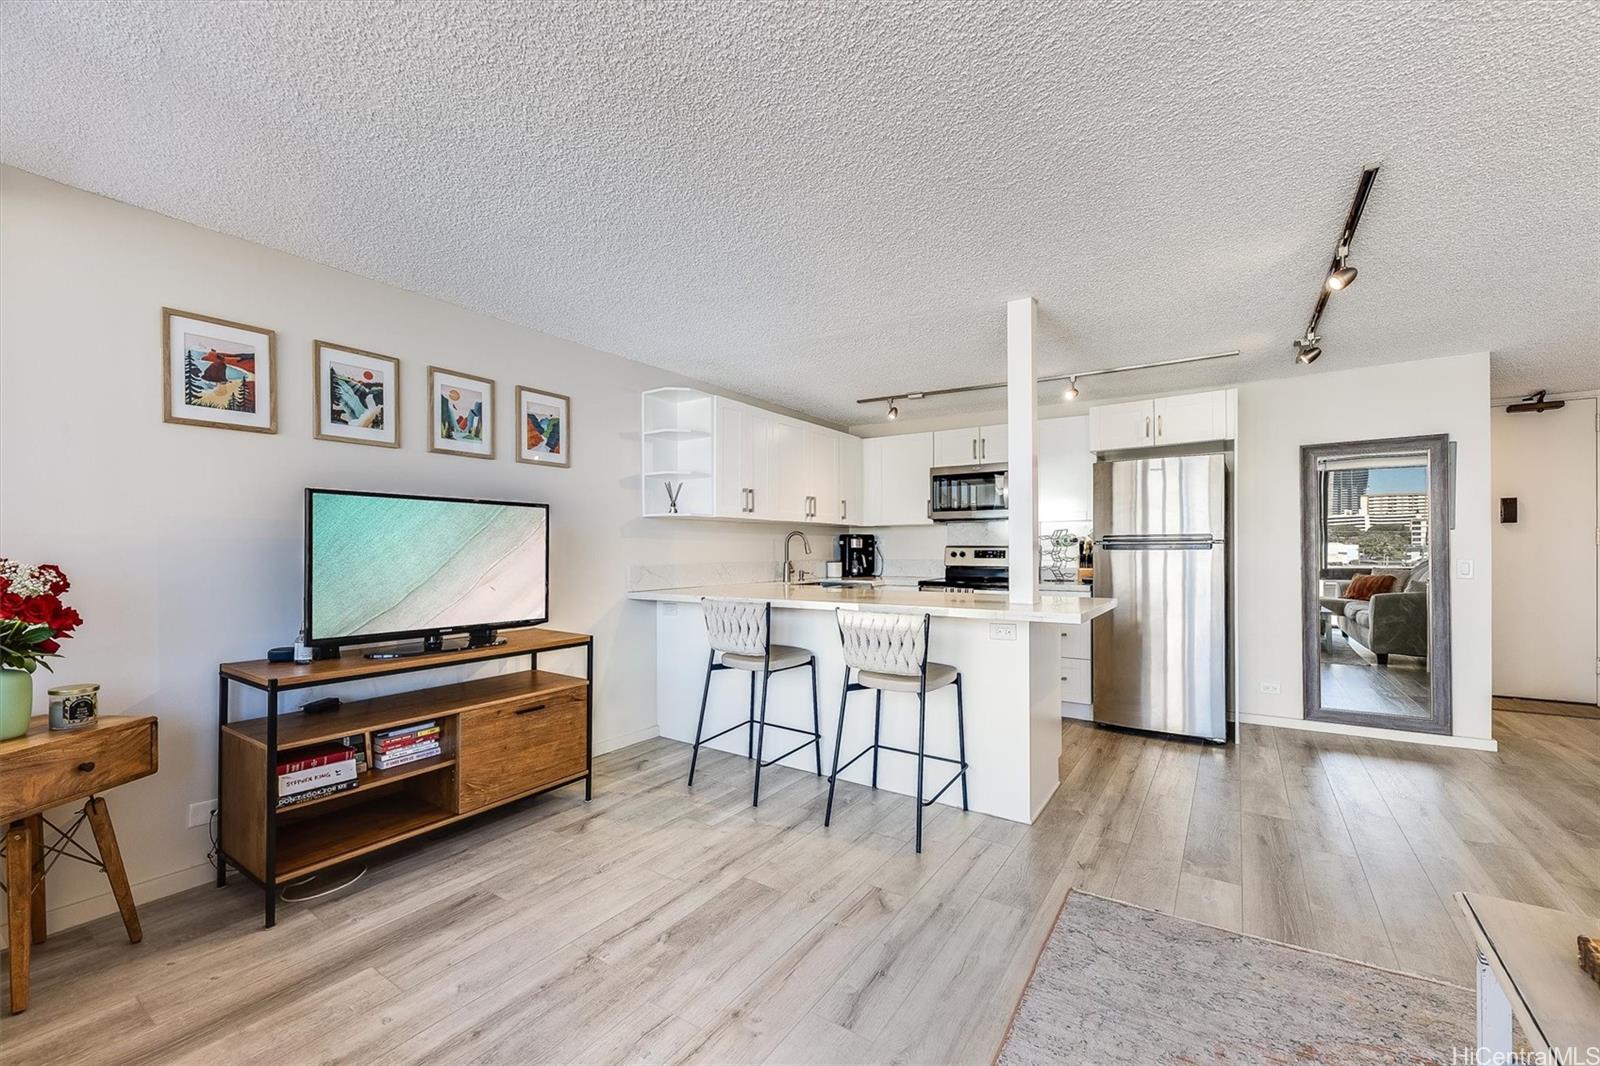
(384, 567)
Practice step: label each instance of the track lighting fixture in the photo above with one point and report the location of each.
(1343, 273)
(1307, 349)
(1340, 273)
(1069, 393)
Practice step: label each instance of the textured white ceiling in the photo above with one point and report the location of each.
(815, 202)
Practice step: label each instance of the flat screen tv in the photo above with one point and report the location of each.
(382, 567)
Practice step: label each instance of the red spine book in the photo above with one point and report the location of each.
(320, 759)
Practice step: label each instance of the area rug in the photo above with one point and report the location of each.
(1116, 983)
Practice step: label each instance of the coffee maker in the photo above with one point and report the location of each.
(858, 554)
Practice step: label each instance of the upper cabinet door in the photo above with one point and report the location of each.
(733, 460)
(897, 468)
(954, 447)
(993, 444)
(851, 471)
(1114, 426)
(1066, 470)
(784, 498)
(820, 489)
(1200, 416)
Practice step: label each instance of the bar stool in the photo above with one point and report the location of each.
(890, 654)
(742, 631)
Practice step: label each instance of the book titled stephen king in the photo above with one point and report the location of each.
(336, 769)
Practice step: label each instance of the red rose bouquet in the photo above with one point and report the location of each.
(33, 620)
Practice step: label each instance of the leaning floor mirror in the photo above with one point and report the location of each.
(1375, 536)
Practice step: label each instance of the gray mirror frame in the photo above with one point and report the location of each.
(1440, 490)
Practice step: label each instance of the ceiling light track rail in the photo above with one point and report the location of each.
(1341, 274)
(892, 399)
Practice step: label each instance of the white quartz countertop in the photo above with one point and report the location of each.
(1058, 608)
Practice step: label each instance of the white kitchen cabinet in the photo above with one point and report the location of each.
(745, 439)
(1066, 470)
(819, 484)
(993, 444)
(1200, 416)
(969, 446)
(1114, 426)
(895, 480)
(1195, 418)
(851, 470)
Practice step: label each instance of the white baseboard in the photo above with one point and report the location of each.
(67, 915)
(622, 740)
(1401, 735)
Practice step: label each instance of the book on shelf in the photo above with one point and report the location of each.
(315, 793)
(305, 758)
(417, 754)
(404, 730)
(332, 772)
(394, 743)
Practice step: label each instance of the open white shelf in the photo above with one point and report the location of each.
(674, 433)
(687, 474)
(675, 441)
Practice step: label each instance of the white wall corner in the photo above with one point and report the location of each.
(1022, 435)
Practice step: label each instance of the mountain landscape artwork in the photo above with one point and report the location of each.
(460, 413)
(218, 374)
(355, 396)
(546, 422)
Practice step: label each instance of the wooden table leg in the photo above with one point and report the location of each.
(19, 879)
(36, 836)
(106, 838)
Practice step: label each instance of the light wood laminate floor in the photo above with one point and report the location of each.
(659, 924)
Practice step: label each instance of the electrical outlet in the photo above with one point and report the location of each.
(200, 813)
(1002, 631)
(1464, 568)
(1271, 688)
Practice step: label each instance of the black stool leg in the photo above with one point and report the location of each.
(750, 733)
(838, 739)
(816, 715)
(877, 724)
(922, 730)
(961, 741)
(761, 737)
(700, 726)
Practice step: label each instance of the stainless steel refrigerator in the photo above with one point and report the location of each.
(1161, 657)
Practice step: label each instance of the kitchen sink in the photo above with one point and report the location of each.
(840, 583)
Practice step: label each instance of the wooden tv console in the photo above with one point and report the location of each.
(504, 738)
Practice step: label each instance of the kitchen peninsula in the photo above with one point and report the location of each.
(1008, 654)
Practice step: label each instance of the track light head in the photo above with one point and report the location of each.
(894, 412)
(1307, 350)
(1071, 391)
(1342, 277)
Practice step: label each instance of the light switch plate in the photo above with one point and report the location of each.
(1271, 688)
(1464, 568)
(1002, 631)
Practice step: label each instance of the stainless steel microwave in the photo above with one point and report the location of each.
(967, 493)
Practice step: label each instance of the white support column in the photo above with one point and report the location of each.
(1022, 433)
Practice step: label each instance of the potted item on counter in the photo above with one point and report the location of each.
(33, 622)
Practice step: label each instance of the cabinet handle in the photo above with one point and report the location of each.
(752, 501)
(974, 449)
(844, 510)
(1146, 427)
(85, 767)
(1158, 426)
(530, 710)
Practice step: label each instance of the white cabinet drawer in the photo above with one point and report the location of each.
(1075, 641)
(1076, 681)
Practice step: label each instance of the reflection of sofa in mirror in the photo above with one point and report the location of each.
(1390, 623)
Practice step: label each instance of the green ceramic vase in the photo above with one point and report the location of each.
(16, 702)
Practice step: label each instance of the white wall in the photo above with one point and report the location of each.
(183, 544)
(1401, 399)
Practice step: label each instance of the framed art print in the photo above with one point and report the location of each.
(357, 395)
(461, 410)
(544, 427)
(217, 373)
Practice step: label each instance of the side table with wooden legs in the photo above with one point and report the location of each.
(41, 770)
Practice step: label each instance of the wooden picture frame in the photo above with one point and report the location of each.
(447, 390)
(554, 445)
(328, 424)
(233, 390)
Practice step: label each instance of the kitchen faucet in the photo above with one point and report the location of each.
(788, 567)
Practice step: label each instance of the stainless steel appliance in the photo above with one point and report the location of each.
(858, 554)
(1161, 658)
(967, 492)
(972, 569)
